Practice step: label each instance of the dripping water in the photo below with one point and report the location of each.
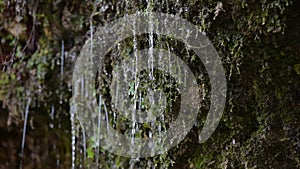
(136, 85)
(98, 131)
(61, 90)
(84, 143)
(151, 42)
(106, 118)
(52, 112)
(73, 137)
(62, 71)
(24, 131)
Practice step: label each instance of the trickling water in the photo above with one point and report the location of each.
(138, 100)
(73, 137)
(91, 34)
(98, 131)
(52, 111)
(106, 118)
(62, 71)
(84, 143)
(151, 42)
(136, 85)
(24, 130)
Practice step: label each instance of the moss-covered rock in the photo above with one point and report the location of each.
(258, 43)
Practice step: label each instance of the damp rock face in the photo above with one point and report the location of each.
(258, 43)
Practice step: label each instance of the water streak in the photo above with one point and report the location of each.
(73, 137)
(106, 118)
(151, 41)
(24, 131)
(98, 131)
(84, 143)
(62, 71)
